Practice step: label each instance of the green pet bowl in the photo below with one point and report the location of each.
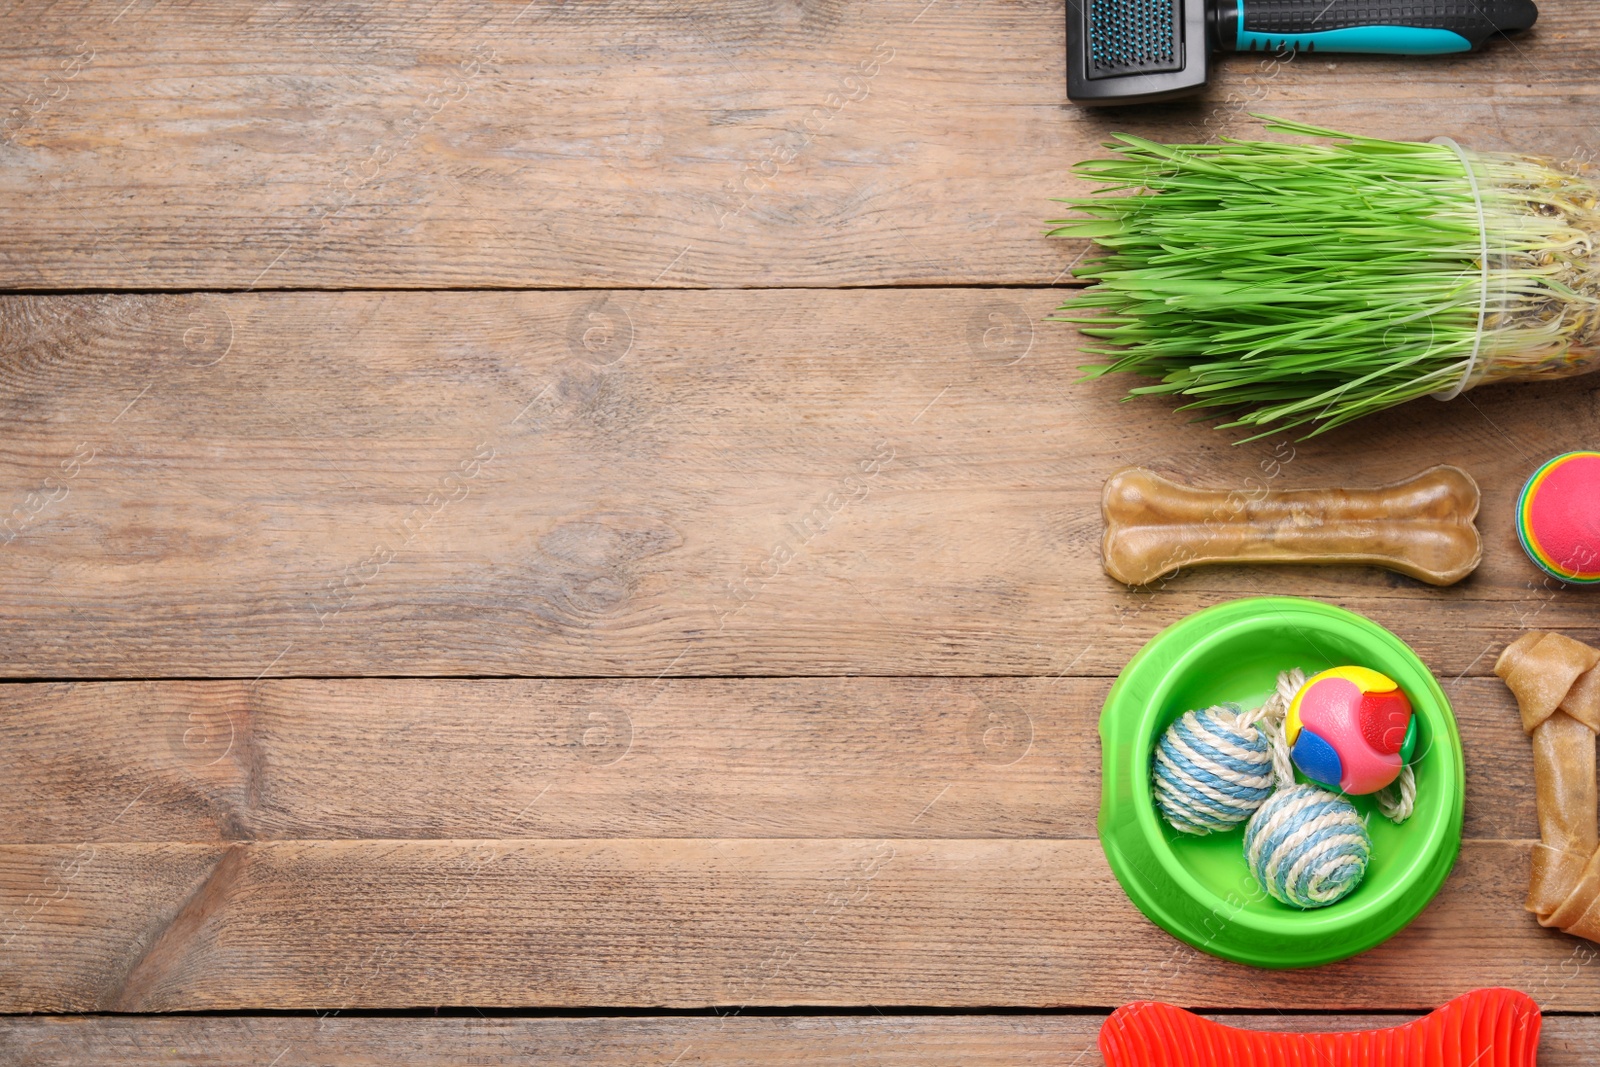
(1198, 888)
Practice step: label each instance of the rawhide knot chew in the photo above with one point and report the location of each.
(1556, 681)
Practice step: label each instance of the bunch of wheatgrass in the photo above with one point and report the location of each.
(1285, 284)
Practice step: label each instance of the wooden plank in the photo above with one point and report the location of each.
(413, 758)
(701, 483)
(693, 923)
(670, 143)
(819, 1041)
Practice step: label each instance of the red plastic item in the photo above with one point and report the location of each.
(1483, 1028)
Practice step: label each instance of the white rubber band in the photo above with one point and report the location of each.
(1483, 275)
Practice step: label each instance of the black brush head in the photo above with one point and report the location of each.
(1134, 51)
(1133, 37)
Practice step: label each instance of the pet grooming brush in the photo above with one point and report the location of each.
(1133, 51)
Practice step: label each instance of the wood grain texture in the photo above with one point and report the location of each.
(251, 495)
(626, 144)
(421, 759)
(694, 923)
(702, 483)
(886, 1040)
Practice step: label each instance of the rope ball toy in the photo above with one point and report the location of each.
(1212, 770)
(1307, 847)
(1348, 728)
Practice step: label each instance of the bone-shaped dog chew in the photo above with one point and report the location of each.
(1483, 1028)
(1421, 526)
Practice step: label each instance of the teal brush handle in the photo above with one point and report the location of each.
(1396, 27)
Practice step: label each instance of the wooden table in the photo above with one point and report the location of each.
(559, 534)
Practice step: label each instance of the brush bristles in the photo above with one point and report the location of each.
(1313, 283)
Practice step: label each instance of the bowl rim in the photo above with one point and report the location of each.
(1174, 652)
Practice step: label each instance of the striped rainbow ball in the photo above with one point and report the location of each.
(1558, 517)
(1209, 774)
(1307, 847)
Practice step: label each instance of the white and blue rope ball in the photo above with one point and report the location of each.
(1307, 847)
(1209, 772)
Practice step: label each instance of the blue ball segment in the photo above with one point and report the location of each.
(1317, 759)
